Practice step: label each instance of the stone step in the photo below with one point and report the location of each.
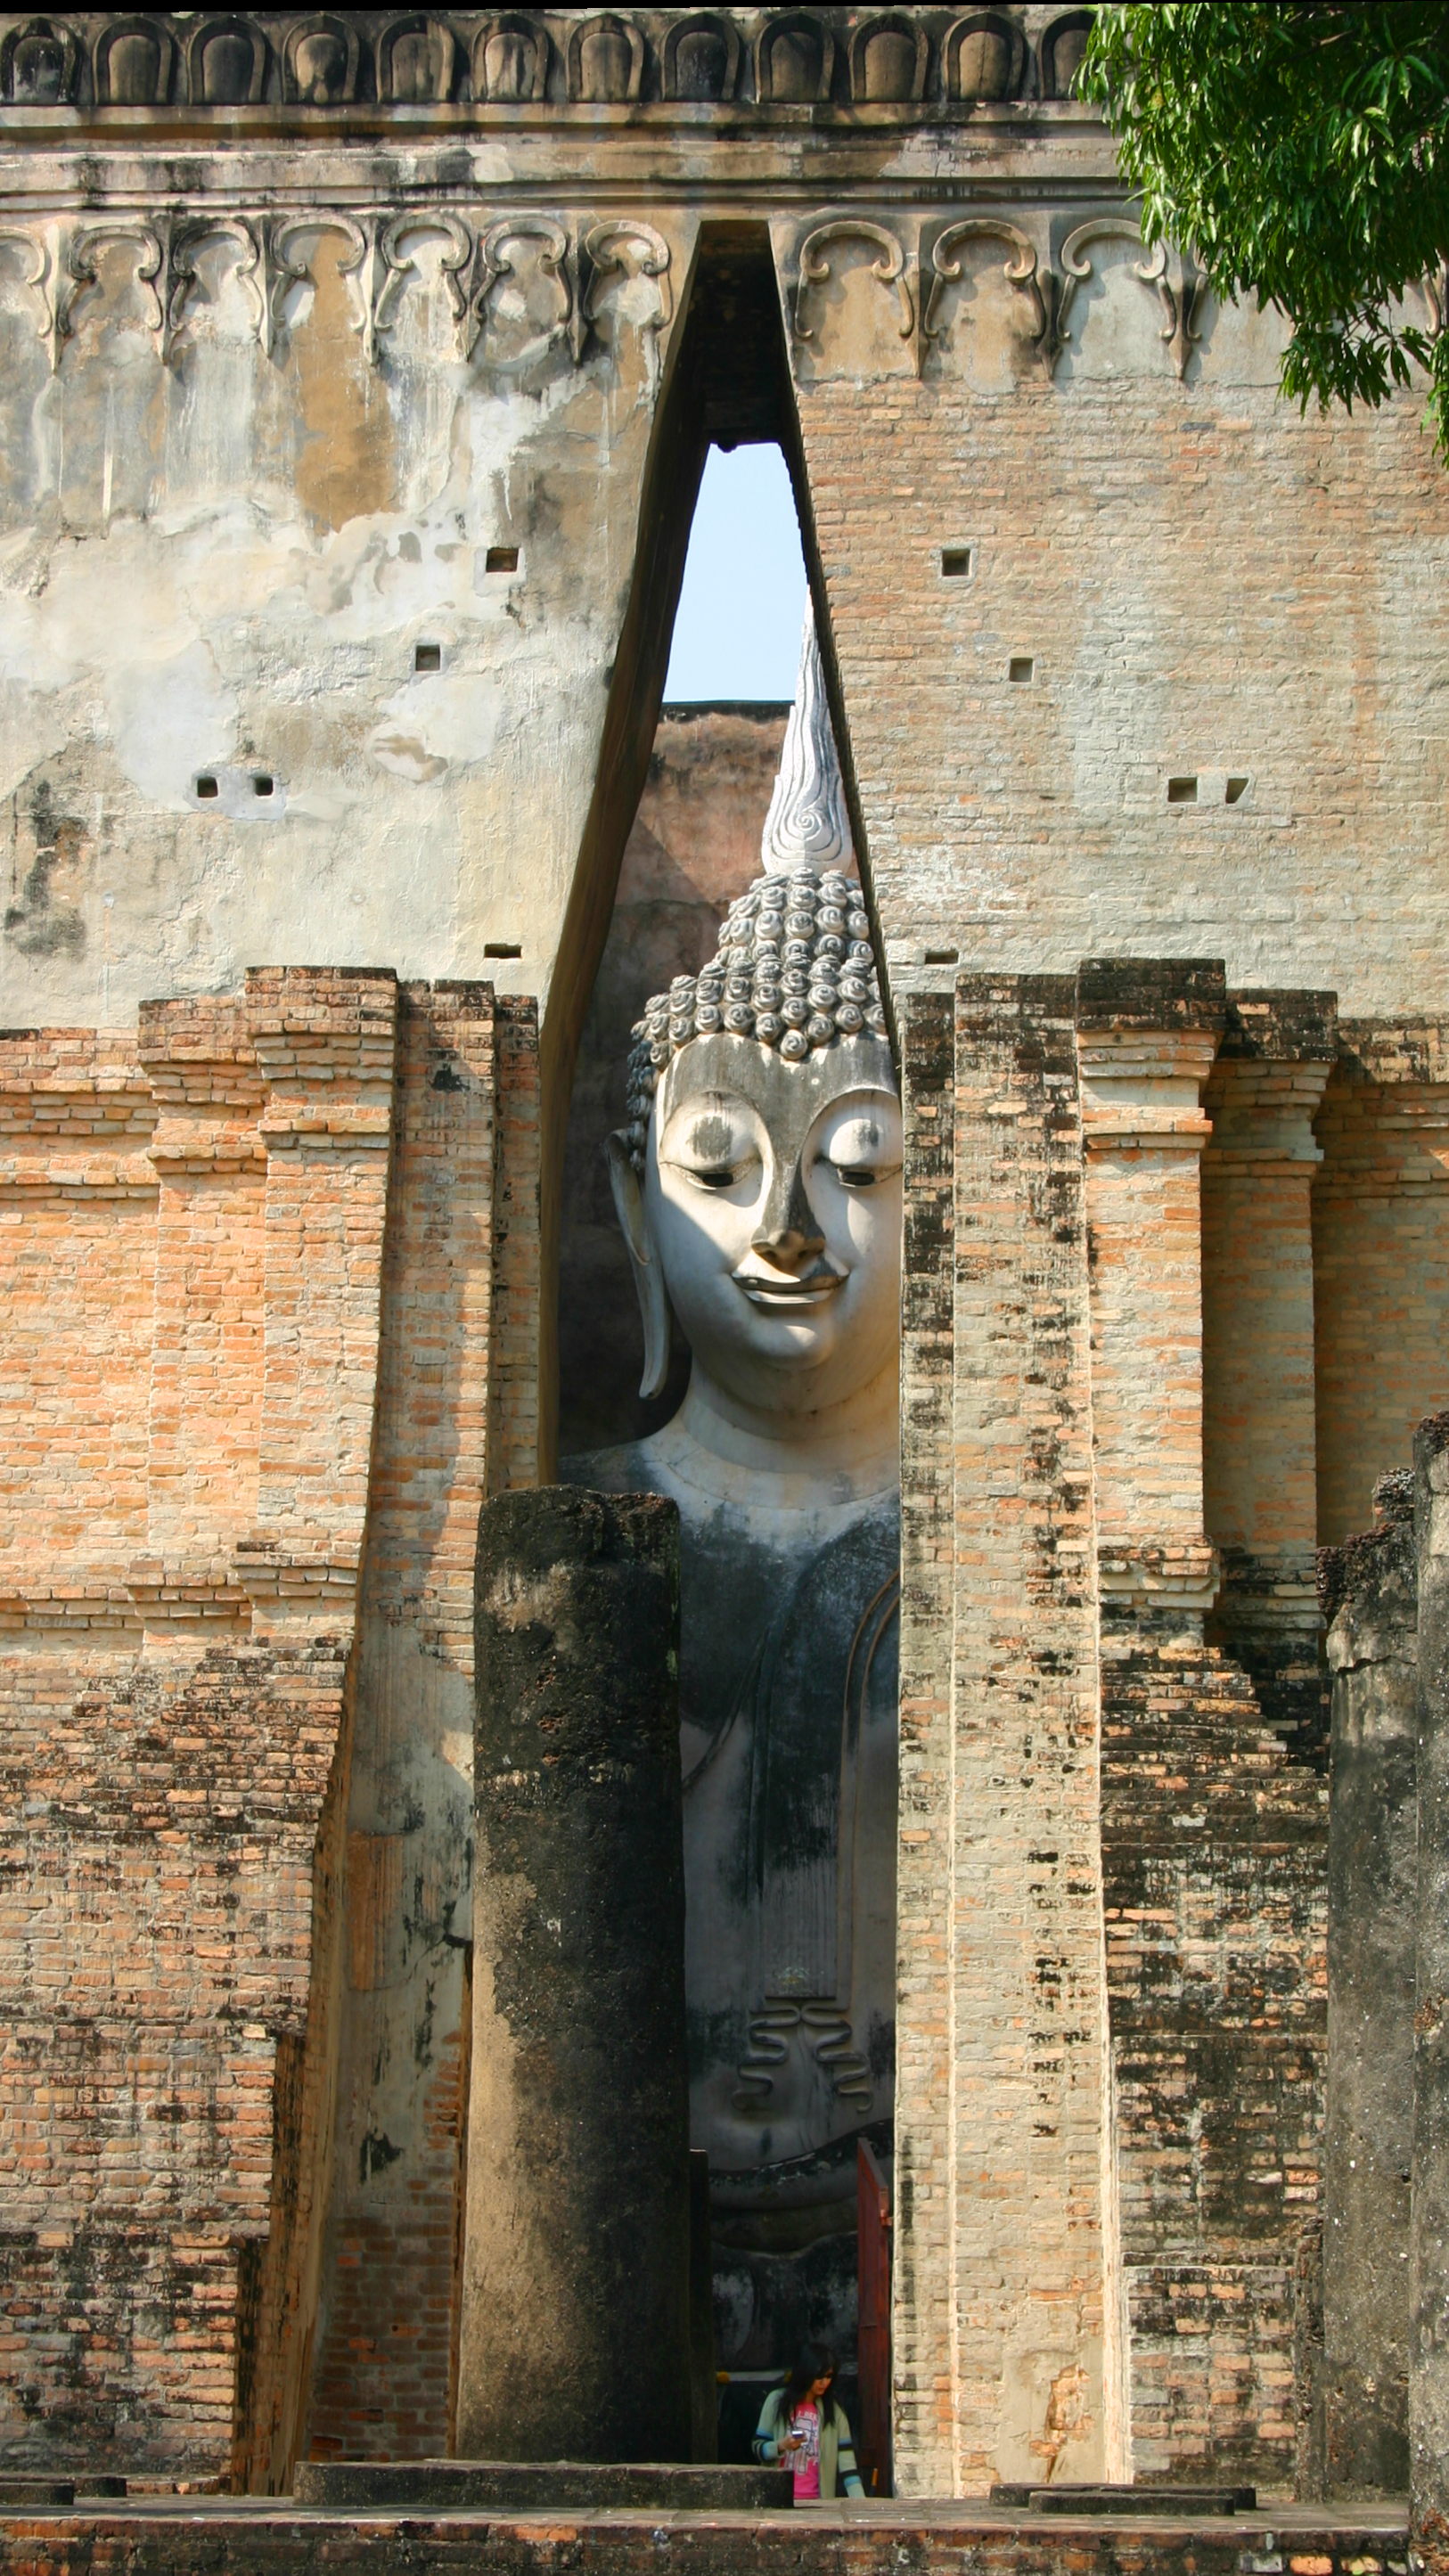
(520, 2486)
(1196, 2503)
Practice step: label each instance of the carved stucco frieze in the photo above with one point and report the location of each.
(502, 253)
(701, 58)
(1165, 272)
(920, 274)
(623, 250)
(396, 266)
(890, 59)
(595, 278)
(37, 280)
(81, 271)
(1024, 269)
(892, 267)
(181, 273)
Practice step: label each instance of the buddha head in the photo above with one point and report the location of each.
(758, 1178)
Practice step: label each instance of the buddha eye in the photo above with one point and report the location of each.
(856, 1176)
(719, 1176)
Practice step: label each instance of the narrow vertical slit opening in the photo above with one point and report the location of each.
(729, 1233)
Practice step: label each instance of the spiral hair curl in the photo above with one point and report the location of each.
(795, 970)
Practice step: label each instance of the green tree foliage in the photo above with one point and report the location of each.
(1303, 153)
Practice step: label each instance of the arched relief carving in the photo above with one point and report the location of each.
(606, 60)
(984, 57)
(226, 63)
(794, 59)
(38, 64)
(523, 261)
(135, 60)
(289, 265)
(183, 249)
(866, 343)
(396, 269)
(627, 264)
(1176, 287)
(319, 62)
(510, 61)
(702, 58)
(82, 272)
(1062, 46)
(1021, 271)
(416, 62)
(889, 60)
(37, 278)
(514, 282)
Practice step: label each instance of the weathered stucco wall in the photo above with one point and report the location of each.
(310, 585)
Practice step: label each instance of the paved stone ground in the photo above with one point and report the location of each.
(172, 2535)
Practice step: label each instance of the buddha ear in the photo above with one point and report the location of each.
(648, 1277)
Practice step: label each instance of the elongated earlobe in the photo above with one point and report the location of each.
(648, 1277)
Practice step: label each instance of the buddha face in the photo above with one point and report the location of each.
(771, 1205)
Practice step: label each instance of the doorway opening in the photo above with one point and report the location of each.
(694, 847)
(735, 996)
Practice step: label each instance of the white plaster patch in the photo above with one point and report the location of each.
(428, 726)
(170, 720)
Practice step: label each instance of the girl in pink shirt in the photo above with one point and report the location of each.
(804, 2427)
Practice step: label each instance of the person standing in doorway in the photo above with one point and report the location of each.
(804, 2427)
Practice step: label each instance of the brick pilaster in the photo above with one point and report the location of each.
(1259, 1438)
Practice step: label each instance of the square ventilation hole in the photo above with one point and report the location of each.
(427, 657)
(262, 785)
(956, 562)
(1020, 667)
(940, 956)
(1235, 790)
(502, 948)
(207, 787)
(501, 559)
(1182, 791)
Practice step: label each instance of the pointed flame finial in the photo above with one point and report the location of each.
(807, 825)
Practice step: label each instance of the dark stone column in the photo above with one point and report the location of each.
(1371, 1918)
(1429, 2225)
(575, 2338)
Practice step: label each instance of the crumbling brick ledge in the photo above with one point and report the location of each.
(230, 2536)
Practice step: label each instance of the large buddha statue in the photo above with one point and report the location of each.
(758, 1186)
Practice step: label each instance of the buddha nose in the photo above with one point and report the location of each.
(788, 1229)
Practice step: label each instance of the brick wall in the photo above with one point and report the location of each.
(1380, 1249)
(220, 1238)
(1154, 2144)
(1006, 2312)
(1214, 1865)
(1206, 587)
(1259, 1426)
(457, 1416)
